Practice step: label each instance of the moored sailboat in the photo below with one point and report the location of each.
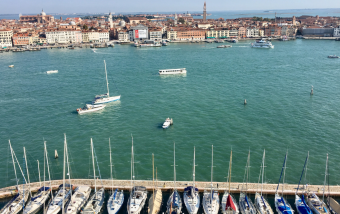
(116, 200)
(174, 204)
(261, 203)
(211, 200)
(300, 202)
(105, 98)
(155, 200)
(246, 205)
(228, 204)
(191, 196)
(282, 206)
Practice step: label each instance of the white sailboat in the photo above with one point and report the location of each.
(138, 194)
(64, 193)
(211, 200)
(17, 203)
(229, 205)
(246, 205)
(95, 204)
(38, 201)
(191, 196)
(117, 198)
(261, 203)
(155, 200)
(174, 204)
(105, 98)
(300, 203)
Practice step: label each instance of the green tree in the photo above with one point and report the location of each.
(85, 27)
(181, 20)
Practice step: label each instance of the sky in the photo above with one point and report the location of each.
(133, 6)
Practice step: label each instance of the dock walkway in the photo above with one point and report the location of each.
(168, 185)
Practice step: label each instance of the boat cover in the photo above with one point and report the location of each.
(230, 203)
(175, 199)
(66, 186)
(304, 209)
(264, 203)
(101, 95)
(246, 199)
(334, 205)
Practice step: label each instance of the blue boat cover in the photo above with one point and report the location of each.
(246, 198)
(175, 199)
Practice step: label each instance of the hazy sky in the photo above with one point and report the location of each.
(94, 6)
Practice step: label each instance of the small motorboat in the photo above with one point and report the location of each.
(90, 108)
(164, 43)
(333, 56)
(52, 72)
(167, 123)
(11, 66)
(224, 46)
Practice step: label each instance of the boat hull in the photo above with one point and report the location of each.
(114, 204)
(282, 206)
(301, 207)
(78, 200)
(15, 205)
(136, 204)
(191, 203)
(95, 204)
(211, 206)
(246, 205)
(314, 202)
(106, 100)
(262, 205)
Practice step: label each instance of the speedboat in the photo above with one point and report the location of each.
(164, 43)
(333, 56)
(262, 44)
(78, 199)
(137, 200)
(95, 204)
(11, 66)
(228, 204)
(57, 202)
(52, 72)
(38, 201)
(174, 205)
(301, 205)
(90, 108)
(115, 202)
(234, 40)
(191, 199)
(318, 206)
(167, 123)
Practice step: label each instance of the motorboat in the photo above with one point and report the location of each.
(78, 200)
(164, 43)
(224, 46)
(167, 123)
(219, 41)
(90, 108)
(172, 71)
(333, 56)
(105, 98)
(150, 43)
(37, 201)
(234, 41)
(52, 72)
(11, 66)
(115, 202)
(262, 44)
(57, 202)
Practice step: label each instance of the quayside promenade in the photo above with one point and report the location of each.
(180, 185)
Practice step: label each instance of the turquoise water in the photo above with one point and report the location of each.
(206, 106)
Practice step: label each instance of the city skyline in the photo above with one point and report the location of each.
(77, 6)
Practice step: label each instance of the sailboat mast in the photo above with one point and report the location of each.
(107, 82)
(174, 166)
(94, 169)
(264, 154)
(62, 207)
(28, 175)
(39, 173)
(153, 178)
(301, 175)
(111, 165)
(212, 164)
(44, 163)
(48, 170)
(230, 164)
(248, 163)
(68, 167)
(324, 183)
(15, 171)
(133, 165)
(284, 174)
(194, 174)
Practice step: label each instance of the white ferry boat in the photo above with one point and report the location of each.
(52, 72)
(150, 43)
(173, 71)
(262, 44)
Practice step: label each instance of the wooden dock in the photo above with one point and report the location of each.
(270, 189)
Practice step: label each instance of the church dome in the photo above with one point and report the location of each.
(43, 13)
(72, 23)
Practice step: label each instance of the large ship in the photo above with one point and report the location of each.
(262, 44)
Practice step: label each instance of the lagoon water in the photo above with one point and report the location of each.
(206, 106)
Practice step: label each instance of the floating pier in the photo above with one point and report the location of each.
(269, 189)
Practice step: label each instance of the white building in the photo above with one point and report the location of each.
(336, 32)
(123, 36)
(104, 36)
(63, 36)
(252, 32)
(155, 34)
(6, 38)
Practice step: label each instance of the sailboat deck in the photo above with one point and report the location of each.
(180, 185)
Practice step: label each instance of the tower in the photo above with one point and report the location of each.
(110, 20)
(205, 12)
(275, 17)
(175, 22)
(294, 21)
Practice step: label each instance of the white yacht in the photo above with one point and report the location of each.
(211, 199)
(90, 108)
(115, 202)
(167, 123)
(78, 199)
(262, 44)
(105, 98)
(173, 71)
(191, 196)
(57, 202)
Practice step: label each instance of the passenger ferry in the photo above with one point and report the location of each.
(262, 44)
(150, 43)
(173, 71)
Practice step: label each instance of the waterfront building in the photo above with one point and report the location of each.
(204, 25)
(217, 33)
(190, 34)
(40, 18)
(171, 34)
(242, 32)
(21, 39)
(272, 31)
(139, 33)
(252, 32)
(6, 38)
(155, 34)
(233, 32)
(336, 32)
(54, 36)
(103, 36)
(123, 36)
(288, 30)
(317, 31)
(205, 12)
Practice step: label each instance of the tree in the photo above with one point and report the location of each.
(181, 20)
(85, 27)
